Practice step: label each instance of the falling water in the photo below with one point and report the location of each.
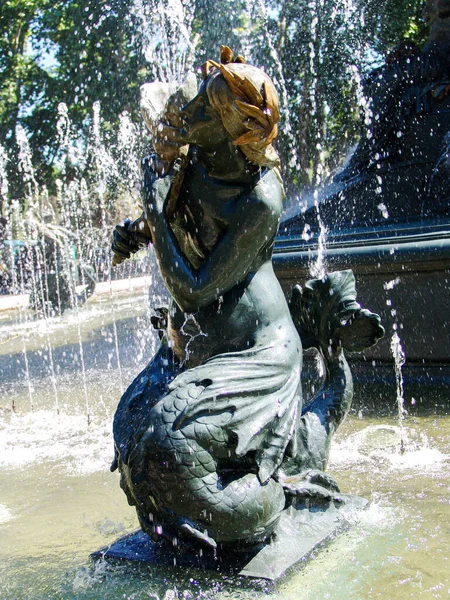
(26, 169)
(166, 41)
(317, 268)
(116, 339)
(192, 330)
(399, 361)
(50, 355)
(128, 152)
(399, 357)
(76, 206)
(25, 222)
(258, 10)
(3, 177)
(82, 362)
(103, 157)
(22, 318)
(27, 376)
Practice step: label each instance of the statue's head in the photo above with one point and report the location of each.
(240, 101)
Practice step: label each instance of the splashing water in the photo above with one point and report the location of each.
(399, 361)
(398, 355)
(5, 514)
(167, 41)
(258, 10)
(192, 330)
(39, 437)
(317, 268)
(398, 447)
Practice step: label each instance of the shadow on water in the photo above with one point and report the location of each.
(98, 350)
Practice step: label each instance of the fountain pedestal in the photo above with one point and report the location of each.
(387, 218)
(300, 531)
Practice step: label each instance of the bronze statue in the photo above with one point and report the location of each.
(212, 439)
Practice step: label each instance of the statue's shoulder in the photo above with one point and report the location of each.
(268, 191)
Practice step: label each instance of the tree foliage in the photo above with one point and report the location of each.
(79, 52)
(325, 48)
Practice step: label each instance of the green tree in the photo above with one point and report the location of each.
(22, 79)
(387, 22)
(79, 52)
(325, 48)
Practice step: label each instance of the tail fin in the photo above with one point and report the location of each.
(327, 316)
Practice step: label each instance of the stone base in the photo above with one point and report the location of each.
(300, 531)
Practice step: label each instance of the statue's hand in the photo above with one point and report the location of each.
(166, 142)
(157, 188)
(128, 238)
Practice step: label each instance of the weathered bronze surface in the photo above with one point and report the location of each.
(213, 440)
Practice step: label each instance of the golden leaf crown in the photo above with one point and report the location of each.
(258, 107)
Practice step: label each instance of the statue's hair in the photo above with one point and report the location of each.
(247, 102)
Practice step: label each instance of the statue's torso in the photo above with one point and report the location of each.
(254, 311)
(208, 204)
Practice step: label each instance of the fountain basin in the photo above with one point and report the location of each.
(60, 502)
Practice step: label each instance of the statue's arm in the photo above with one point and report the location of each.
(253, 222)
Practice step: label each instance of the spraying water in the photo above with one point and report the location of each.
(399, 361)
(399, 357)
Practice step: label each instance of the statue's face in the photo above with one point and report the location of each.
(202, 123)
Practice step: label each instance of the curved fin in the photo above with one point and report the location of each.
(327, 316)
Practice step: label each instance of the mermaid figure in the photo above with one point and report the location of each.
(212, 440)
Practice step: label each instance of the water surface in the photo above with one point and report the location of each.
(59, 502)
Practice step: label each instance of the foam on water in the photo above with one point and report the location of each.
(66, 441)
(87, 577)
(431, 458)
(375, 517)
(400, 448)
(5, 514)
